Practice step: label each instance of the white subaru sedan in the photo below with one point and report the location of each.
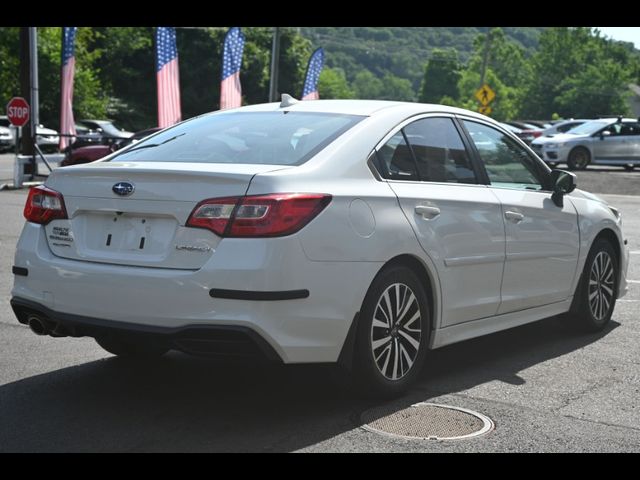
(358, 232)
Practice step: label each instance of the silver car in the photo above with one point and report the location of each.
(609, 141)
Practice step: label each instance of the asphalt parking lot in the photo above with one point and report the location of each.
(547, 388)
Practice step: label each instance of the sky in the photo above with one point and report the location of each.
(627, 34)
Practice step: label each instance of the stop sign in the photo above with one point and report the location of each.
(18, 111)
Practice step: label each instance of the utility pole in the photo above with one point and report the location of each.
(275, 56)
(26, 146)
(485, 57)
(34, 94)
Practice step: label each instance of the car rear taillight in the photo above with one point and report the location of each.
(44, 205)
(533, 133)
(273, 215)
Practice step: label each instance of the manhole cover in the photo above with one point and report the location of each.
(427, 421)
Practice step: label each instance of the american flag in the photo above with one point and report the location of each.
(67, 123)
(316, 62)
(168, 77)
(230, 89)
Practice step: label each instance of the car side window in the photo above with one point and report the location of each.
(630, 129)
(508, 165)
(566, 127)
(439, 151)
(395, 161)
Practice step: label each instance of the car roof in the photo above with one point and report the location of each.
(353, 107)
(609, 121)
(95, 121)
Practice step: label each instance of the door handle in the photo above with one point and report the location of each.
(514, 217)
(428, 213)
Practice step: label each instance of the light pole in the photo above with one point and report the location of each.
(485, 57)
(275, 55)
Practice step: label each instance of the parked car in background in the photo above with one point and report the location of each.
(608, 141)
(515, 130)
(362, 233)
(563, 126)
(85, 136)
(537, 123)
(106, 129)
(7, 141)
(528, 131)
(46, 138)
(91, 153)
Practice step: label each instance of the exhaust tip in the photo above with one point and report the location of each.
(37, 325)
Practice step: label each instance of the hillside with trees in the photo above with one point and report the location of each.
(403, 51)
(535, 72)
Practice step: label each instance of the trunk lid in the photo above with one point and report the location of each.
(145, 228)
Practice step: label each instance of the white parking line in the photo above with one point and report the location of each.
(633, 281)
(628, 300)
(635, 252)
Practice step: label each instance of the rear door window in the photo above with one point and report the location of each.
(439, 151)
(429, 150)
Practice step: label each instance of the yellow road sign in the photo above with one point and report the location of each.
(485, 110)
(485, 95)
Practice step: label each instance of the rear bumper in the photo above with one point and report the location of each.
(218, 340)
(551, 155)
(304, 317)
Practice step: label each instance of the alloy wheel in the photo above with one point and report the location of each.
(396, 331)
(601, 285)
(580, 159)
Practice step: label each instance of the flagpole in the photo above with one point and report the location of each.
(275, 54)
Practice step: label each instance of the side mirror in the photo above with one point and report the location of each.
(604, 134)
(563, 183)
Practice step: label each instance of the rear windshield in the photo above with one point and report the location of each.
(272, 138)
(588, 128)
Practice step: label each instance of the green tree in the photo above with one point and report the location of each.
(396, 88)
(127, 68)
(577, 72)
(441, 76)
(126, 65)
(9, 63)
(333, 84)
(89, 99)
(508, 69)
(366, 85)
(595, 90)
(507, 59)
(506, 104)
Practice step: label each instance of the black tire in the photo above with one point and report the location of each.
(579, 159)
(595, 297)
(388, 369)
(629, 168)
(131, 348)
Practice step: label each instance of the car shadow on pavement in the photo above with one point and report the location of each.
(181, 403)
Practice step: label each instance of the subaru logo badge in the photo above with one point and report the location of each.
(124, 189)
